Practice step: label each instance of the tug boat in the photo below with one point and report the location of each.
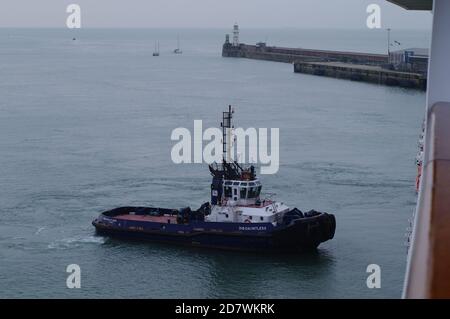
(236, 218)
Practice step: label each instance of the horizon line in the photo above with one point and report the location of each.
(220, 28)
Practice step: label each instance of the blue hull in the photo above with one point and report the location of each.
(298, 235)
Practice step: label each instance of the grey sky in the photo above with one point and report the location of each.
(209, 13)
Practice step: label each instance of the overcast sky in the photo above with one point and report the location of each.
(209, 13)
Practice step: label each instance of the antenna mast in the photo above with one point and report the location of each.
(226, 134)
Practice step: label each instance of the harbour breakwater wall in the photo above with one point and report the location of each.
(356, 66)
(289, 55)
(365, 73)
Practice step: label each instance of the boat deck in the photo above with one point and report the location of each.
(263, 204)
(148, 218)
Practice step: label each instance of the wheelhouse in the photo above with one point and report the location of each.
(242, 192)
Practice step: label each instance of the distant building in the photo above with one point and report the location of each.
(411, 60)
(261, 45)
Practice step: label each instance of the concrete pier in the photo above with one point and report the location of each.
(288, 55)
(365, 73)
(367, 67)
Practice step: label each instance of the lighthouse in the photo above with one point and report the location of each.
(235, 35)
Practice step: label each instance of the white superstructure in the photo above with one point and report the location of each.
(241, 203)
(236, 192)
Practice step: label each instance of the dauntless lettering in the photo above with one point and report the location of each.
(252, 227)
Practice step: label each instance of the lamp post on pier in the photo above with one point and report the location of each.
(389, 41)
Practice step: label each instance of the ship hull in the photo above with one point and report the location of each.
(302, 234)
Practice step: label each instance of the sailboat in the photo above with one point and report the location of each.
(156, 52)
(178, 50)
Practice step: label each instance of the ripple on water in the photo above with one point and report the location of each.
(74, 242)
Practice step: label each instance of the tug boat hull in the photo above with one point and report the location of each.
(300, 233)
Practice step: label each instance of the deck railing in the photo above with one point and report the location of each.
(428, 268)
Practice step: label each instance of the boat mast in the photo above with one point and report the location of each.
(226, 134)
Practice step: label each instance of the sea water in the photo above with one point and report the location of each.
(85, 126)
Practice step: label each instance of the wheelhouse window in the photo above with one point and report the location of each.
(243, 192)
(252, 192)
(258, 191)
(227, 191)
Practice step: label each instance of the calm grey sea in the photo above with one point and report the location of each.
(85, 126)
